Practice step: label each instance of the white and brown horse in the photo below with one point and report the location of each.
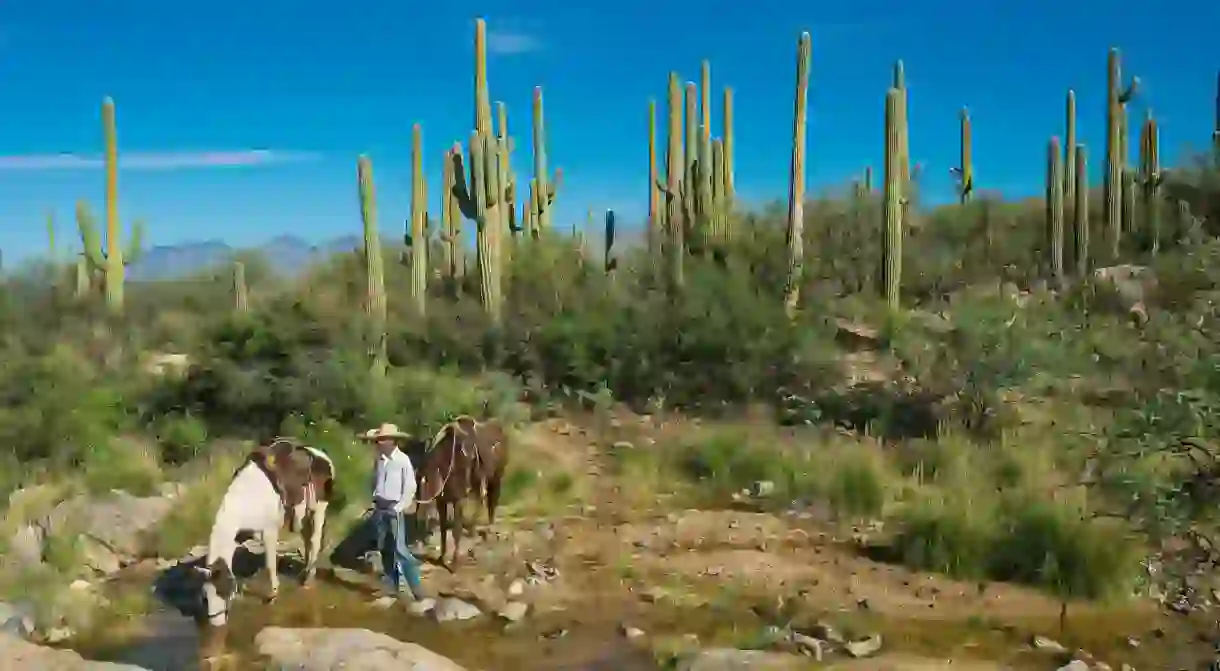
(281, 482)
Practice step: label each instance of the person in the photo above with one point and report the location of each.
(393, 496)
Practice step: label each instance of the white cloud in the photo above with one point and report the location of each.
(156, 160)
(511, 42)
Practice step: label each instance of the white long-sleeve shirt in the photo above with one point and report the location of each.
(394, 479)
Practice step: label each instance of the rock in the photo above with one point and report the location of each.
(19, 654)
(447, 610)
(514, 611)
(731, 659)
(762, 488)
(864, 647)
(808, 645)
(516, 588)
(827, 633)
(1047, 645)
(1075, 665)
(346, 649)
(384, 602)
(16, 620)
(1134, 284)
(56, 635)
(112, 527)
(631, 633)
(25, 545)
(421, 607)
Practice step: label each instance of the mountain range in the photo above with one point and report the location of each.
(285, 254)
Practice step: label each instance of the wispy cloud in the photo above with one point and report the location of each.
(511, 42)
(157, 160)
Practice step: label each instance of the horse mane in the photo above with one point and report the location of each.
(454, 424)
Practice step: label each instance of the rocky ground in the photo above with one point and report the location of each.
(593, 570)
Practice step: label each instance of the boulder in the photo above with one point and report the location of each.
(19, 654)
(347, 649)
(112, 527)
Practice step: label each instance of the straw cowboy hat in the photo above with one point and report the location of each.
(390, 431)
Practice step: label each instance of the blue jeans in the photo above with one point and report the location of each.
(399, 564)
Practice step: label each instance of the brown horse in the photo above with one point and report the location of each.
(466, 459)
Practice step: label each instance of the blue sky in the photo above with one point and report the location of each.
(316, 87)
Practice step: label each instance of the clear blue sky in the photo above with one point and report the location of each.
(318, 83)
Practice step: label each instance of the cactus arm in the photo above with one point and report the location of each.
(134, 250)
(90, 239)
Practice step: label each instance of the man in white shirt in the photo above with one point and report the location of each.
(393, 496)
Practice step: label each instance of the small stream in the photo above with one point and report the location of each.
(558, 640)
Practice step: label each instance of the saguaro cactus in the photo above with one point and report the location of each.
(375, 300)
(1080, 211)
(1150, 181)
(454, 258)
(416, 237)
(1116, 101)
(241, 294)
(483, 196)
(1054, 209)
(796, 177)
(111, 262)
(654, 195)
(1069, 159)
(544, 186)
(727, 139)
(97, 260)
(609, 262)
(1216, 129)
(965, 168)
(892, 230)
(675, 169)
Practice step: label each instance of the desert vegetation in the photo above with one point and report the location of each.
(1025, 392)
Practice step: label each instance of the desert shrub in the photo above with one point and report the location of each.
(54, 407)
(946, 534)
(1056, 546)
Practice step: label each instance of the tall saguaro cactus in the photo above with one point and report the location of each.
(241, 293)
(892, 230)
(727, 139)
(544, 186)
(1069, 158)
(655, 244)
(796, 177)
(1150, 181)
(1054, 209)
(1216, 123)
(675, 169)
(1080, 211)
(416, 238)
(454, 253)
(109, 262)
(114, 248)
(375, 300)
(965, 168)
(1116, 100)
(484, 196)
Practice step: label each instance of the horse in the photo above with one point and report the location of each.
(283, 482)
(466, 457)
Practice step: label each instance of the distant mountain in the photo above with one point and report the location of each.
(286, 254)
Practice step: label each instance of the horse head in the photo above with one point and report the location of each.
(219, 589)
